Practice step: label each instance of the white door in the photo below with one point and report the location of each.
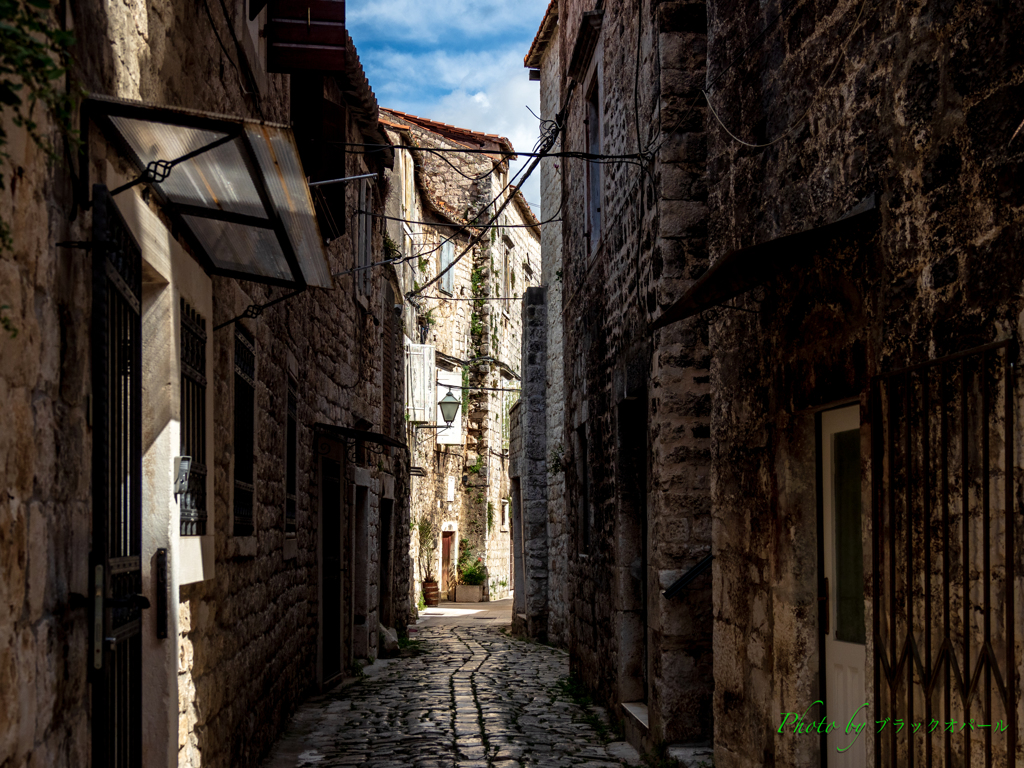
(844, 570)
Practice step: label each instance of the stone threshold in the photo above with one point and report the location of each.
(636, 725)
(692, 755)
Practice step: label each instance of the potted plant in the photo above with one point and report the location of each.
(428, 541)
(472, 578)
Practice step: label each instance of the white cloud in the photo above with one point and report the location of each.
(486, 91)
(429, 22)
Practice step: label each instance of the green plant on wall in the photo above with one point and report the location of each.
(423, 264)
(474, 468)
(6, 323)
(556, 459)
(490, 515)
(391, 251)
(34, 58)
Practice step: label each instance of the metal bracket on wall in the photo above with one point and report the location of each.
(688, 577)
(160, 577)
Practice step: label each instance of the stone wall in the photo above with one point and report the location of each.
(640, 403)
(247, 648)
(45, 470)
(530, 472)
(915, 103)
(552, 279)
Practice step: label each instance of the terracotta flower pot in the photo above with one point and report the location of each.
(431, 594)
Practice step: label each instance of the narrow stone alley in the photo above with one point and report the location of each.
(472, 697)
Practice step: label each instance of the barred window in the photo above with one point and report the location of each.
(292, 464)
(245, 433)
(192, 503)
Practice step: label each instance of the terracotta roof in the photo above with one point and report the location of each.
(544, 35)
(464, 136)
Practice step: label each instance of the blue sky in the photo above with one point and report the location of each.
(459, 62)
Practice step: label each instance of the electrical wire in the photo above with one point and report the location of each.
(457, 226)
(796, 123)
(577, 155)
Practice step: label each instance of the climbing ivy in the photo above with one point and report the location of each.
(34, 58)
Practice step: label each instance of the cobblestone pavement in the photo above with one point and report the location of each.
(475, 698)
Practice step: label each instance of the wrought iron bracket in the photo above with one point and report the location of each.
(253, 311)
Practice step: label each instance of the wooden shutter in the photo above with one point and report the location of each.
(306, 36)
(419, 382)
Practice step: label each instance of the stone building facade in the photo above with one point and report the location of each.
(901, 193)
(463, 335)
(634, 445)
(151, 618)
(832, 250)
(538, 489)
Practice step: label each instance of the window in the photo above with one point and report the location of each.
(506, 277)
(192, 503)
(593, 123)
(583, 490)
(448, 278)
(292, 461)
(364, 239)
(245, 432)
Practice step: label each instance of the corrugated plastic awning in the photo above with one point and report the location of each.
(234, 187)
(739, 271)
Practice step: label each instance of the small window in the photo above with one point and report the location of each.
(192, 503)
(245, 432)
(292, 461)
(448, 278)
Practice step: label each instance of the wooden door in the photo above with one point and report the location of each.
(447, 582)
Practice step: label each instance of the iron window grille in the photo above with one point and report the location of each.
(192, 503)
(291, 497)
(245, 422)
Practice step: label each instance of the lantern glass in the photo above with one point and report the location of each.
(449, 406)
